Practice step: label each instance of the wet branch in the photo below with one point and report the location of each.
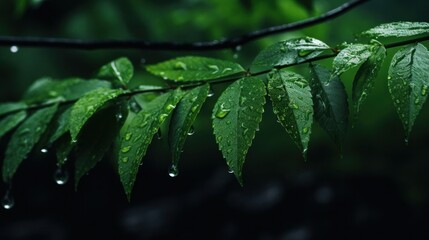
(227, 43)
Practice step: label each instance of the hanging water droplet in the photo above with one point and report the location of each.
(8, 201)
(406, 141)
(143, 61)
(44, 150)
(211, 93)
(173, 171)
(61, 175)
(119, 116)
(230, 171)
(14, 49)
(191, 131)
(159, 134)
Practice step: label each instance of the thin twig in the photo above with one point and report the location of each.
(215, 82)
(227, 43)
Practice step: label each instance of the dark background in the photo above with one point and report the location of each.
(378, 189)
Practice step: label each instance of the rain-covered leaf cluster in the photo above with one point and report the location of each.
(84, 119)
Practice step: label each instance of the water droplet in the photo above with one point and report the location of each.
(215, 68)
(124, 159)
(143, 61)
(417, 101)
(303, 53)
(424, 90)
(159, 134)
(119, 116)
(222, 111)
(238, 48)
(170, 107)
(14, 49)
(8, 201)
(230, 171)
(389, 77)
(191, 131)
(162, 117)
(211, 93)
(126, 149)
(406, 141)
(305, 130)
(128, 136)
(181, 66)
(173, 171)
(293, 105)
(61, 175)
(44, 150)
(219, 138)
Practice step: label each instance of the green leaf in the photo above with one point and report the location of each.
(120, 71)
(11, 107)
(366, 76)
(188, 69)
(24, 139)
(183, 117)
(288, 52)
(85, 107)
(293, 105)
(137, 135)
(330, 102)
(398, 29)
(350, 57)
(11, 121)
(62, 125)
(64, 146)
(96, 138)
(236, 117)
(46, 89)
(408, 82)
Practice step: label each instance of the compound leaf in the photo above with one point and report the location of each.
(293, 105)
(288, 52)
(85, 107)
(330, 102)
(188, 69)
(236, 117)
(398, 29)
(183, 117)
(120, 71)
(408, 82)
(96, 138)
(11, 121)
(366, 76)
(24, 139)
(138, 133)
(350, 57)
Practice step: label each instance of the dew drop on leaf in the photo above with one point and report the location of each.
(44, 150)
(230, 171)
(61, 175)
(134, 106)
(222, 111)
